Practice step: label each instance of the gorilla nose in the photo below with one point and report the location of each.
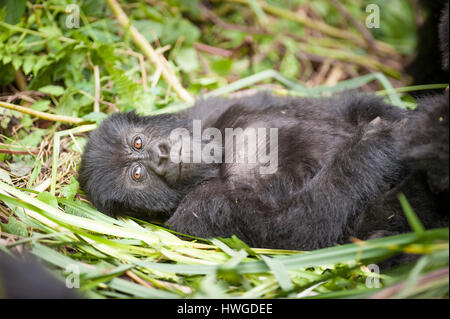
(159, 157)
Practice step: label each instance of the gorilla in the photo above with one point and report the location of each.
(339, 170)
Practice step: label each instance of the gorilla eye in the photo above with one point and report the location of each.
(137, 143)
(137, 172)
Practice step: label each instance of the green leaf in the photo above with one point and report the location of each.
(237, 244)
(96, 117)
(227, 270)
(33, 139)
(4, 176)
(67, 105)
(94, 8)
(259, 12)
(41, 62)
(21, 167)
(186, 59)
(17, 62)
(149, 29)
(70, 190)
(36, 170)
(15, 10)
(413, 220)
(42, 105)
(177, 28)
(222, 66)
(48, 198)
(280, 272)
(52, 31)
(14, 227)
(6, 74)
(28, 63)
(290, 67)
(55, 90)
(79, 145)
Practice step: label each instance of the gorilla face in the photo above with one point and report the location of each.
(126, 167)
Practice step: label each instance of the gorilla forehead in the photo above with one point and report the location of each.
(116, 127)
(110, 142)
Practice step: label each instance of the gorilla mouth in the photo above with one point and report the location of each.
(173, 169)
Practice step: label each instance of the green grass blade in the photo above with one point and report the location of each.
(280, 272)
(412, 218)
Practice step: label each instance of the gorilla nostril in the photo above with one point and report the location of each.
(160, 155)
(163, 150)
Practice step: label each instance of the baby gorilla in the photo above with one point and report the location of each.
(338, 171)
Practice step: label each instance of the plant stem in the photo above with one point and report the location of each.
(157, 59)
(33, 32)
(319, 26)
(42, 115)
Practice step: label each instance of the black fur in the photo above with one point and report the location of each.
(337, 163)
(426, 140)
(443, 37)
(26, 278)
(432, 45)
(425, 137)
